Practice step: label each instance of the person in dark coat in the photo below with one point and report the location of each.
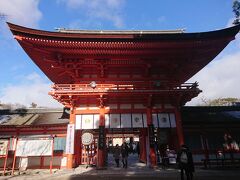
(124, 153)
(185, 162)
(116, 154)
(138, 149)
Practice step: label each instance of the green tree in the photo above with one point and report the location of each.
(220, 101)
(33, 105)
(236, 10)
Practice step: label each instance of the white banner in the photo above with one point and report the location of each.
(78, 121)
(155, 120)
(114, 120)
(107, 121)
(3, 147)
(163, 120)
(137, 121)
(96, 121)
(126, 121)
(172, 120)
(87, 121)
(34, 147)
(70, 139)
(145, 120)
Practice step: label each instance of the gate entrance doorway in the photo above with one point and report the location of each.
(132, 140)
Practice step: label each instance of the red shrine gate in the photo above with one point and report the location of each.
(118, 82)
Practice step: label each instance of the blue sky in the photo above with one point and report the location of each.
(22, 82)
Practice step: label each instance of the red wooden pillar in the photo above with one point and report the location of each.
(179, 128)
(142, 144)
(71, 157)
(77, 147)
(101, 154)
(152, 152)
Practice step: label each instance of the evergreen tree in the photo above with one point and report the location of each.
(236, 10)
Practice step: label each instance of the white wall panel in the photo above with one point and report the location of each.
(126, 121)
(114, 120)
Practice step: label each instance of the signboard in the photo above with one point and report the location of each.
(101, 140)
(3, 147)
(34, 147)
(87, 138)
(151, 135)
(70, 139)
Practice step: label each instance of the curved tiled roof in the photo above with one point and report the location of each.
(32, 117)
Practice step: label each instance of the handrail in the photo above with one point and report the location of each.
(140, 86)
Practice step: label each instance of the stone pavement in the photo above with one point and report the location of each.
(135, 170)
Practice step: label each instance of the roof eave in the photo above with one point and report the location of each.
(24, 31)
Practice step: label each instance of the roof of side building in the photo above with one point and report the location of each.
(23, 117)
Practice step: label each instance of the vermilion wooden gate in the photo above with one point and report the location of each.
(89, 153)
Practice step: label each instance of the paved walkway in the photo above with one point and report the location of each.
(135, 170)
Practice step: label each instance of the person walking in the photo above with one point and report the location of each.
(124, 153)
(116, 154)
(165, 158)
(185, 162)
(138, 149)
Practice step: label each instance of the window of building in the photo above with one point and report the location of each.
(59, 144)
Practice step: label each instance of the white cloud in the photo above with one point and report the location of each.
(32, 88)
(219, 79)
(230, 22)
(23, 12)
(109, 10)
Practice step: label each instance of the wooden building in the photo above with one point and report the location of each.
(205, 129)
(121, 83)
(20, 126)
